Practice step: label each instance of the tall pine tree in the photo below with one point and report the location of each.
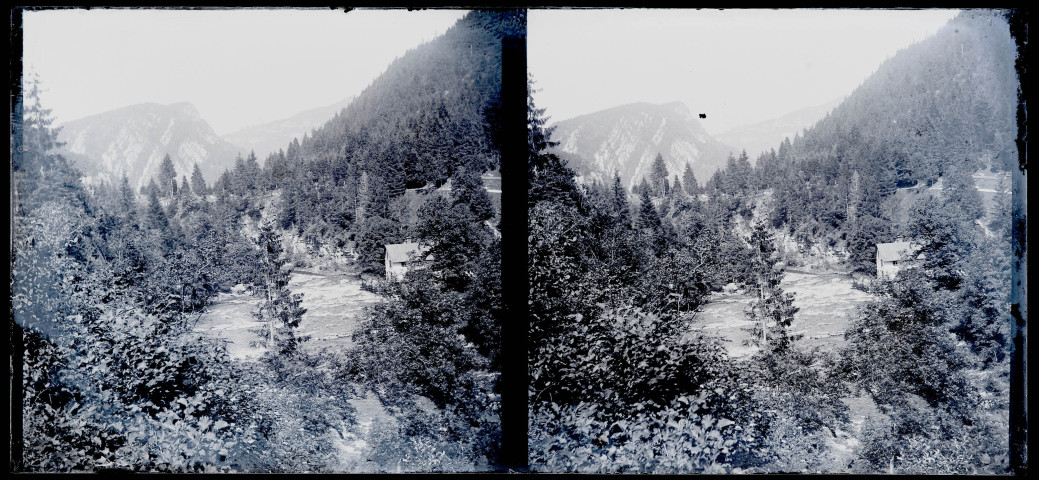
(689, 181)
(658, 175)
(774, 310)
(198, 182)
(167, 177)
(280, 310)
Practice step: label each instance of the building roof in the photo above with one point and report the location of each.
(401, 252)
(888, 252)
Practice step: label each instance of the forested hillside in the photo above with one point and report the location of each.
(624, 376)
(109, 285)
(431, 114)
(944, 105)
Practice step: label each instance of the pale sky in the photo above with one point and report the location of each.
(238, 67)
(737, 66)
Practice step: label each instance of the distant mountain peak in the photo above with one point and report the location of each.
(679, 108)
(759, 137)
(627, 138)
(266, 138)
(187, 108)
(134, 139)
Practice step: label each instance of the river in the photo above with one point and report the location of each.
(827, 304)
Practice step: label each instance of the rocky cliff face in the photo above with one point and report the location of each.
(627, 139)
(135, 139)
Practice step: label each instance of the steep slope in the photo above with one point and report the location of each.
(944, 105)
(946, 99)
(135, 139)
(758, 138)
(627, 139)
(269, 137)
(432, 110)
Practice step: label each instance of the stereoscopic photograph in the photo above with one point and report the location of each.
(274, 240)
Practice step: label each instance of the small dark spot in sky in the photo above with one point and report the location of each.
(703, 115)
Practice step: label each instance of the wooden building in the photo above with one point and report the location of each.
(399, 257)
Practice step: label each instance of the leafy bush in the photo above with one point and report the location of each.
(125, 390)
(680, 437)
(415, 344)
(907, 327)
(800, 393)
(793, 449)
(419, 443)
(919, 439)
(624, 391)
(623, 356)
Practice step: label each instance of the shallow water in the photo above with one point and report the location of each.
(333, 302)
(826, 300)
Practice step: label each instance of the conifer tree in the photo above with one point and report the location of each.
(167, 177)
(238, 176)
(280, 310)
(185, 189)
(550, 178)
(774, 310)
(126, 195)
(620, 199)
(649, 224)
(37, 132)
(643, 186)
(467, 189)
(689, 181)
(959, 191)
(658, 175)
(253, 172)
(156, 217)
(198, 182)
(364, 196)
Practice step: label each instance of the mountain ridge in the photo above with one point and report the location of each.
(134, 140)
(269, 137)
(627, 138)
(759, 137)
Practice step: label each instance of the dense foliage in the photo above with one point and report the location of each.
(437, 335)
(107, 292)
(619, 383)
(943, 105)
(433, 113)
(108, 285)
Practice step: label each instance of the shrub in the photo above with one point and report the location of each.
(680, 437)
(418, 443)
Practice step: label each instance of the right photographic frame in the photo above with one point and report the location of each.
(776, 241)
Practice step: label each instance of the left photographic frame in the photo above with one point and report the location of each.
(258, 240)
